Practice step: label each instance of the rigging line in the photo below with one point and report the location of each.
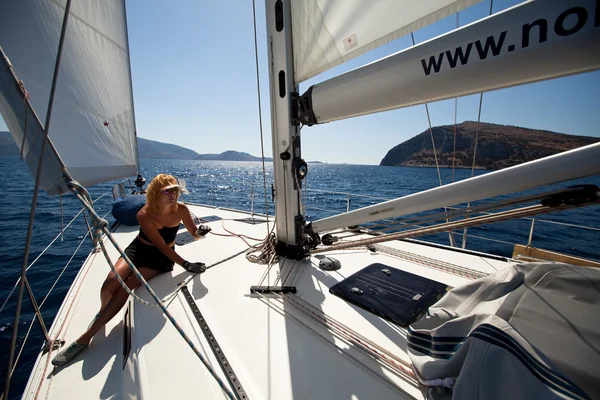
(286, 313)
(100, 226)
(262, 147)
(44, 300)
(464, 237)
(361, 341)
(171, 296)
(454, 143)
(37, 258)
(566, 224)
(305, 196)
(455, 112)
(383, 357)
(500, 216)
(267, 271)
(284, 280)
(480, 209)
(35, 198)
(44, 251)
(437, 166)
(431, 262)
(167, 314)
(353, 194)
(458, 212)
(62, 215)
(62, 325)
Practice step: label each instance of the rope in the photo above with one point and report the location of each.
(262, 148)
(266, 250)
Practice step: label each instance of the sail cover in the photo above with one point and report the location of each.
(92, 126)
(327, 33)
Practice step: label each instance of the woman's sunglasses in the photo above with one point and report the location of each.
(170, 190)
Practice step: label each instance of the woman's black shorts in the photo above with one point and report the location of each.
(143, 255)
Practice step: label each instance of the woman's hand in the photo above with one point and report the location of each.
(195, 267)
(201, 231)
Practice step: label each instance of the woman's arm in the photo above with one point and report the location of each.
(188, 221)
(152, 233)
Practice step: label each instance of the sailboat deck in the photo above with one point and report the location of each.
(276, 350)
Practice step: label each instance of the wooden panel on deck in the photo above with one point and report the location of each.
(535, 254)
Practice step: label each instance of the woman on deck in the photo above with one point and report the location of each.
(152, 252)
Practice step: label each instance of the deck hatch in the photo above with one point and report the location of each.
(210, 218)
(393, 294)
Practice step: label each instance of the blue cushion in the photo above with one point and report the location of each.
(125, 210)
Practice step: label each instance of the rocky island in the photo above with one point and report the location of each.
(498, 146)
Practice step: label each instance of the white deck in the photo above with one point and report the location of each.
(276, 351)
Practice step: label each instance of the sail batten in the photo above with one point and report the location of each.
(327, 33)
(92, 126)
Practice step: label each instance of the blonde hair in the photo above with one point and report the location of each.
(155, 191)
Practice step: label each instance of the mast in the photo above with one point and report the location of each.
(288, 167)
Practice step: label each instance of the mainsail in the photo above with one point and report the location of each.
(92, 127)
(327, 33)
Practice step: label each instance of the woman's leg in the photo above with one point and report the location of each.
(111, 283)
(116, 302)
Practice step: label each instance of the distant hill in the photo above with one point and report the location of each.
(153, 149)
(150, 149)
(498, 146)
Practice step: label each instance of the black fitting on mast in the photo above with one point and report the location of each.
(300, 250)
(305, 107)
(312, 239)
(294, 110)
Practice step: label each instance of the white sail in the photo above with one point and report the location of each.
(327, 33)
(92, 123)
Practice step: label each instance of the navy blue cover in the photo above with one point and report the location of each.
(393, 294)
(125, 210)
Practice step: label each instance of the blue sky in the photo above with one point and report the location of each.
(194, 81)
